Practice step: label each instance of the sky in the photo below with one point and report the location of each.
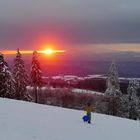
(83, 25)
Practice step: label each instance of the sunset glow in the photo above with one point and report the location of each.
(15, 51)
(51, 51)
(46, 51)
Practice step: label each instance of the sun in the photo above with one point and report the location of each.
(48, 51)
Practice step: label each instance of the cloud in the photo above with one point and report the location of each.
(73, 21)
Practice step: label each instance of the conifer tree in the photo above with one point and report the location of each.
(21, 78)
(133, 99)
(113, 92)
(7, 88)
(36, 74)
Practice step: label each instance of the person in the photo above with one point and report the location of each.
(88, 110)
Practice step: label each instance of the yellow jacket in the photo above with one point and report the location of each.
(88, 109)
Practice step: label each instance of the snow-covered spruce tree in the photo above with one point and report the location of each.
(133, 99)
(7, 82)
(21, 78)
(113, 92)
(36, 74)
(139, 108)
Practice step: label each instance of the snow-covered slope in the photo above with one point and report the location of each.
(28, 121)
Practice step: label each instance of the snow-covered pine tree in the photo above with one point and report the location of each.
(36, 74)
(7, 87)
(113, 92)
(21, 78)
(133, 99)
(113, 79)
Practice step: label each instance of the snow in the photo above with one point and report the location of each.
(65, 77)
(21, 120)
(76, 90)
(57, 77)
(92, 76)
(29, 88)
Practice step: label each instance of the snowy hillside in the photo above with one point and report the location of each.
(28, 121)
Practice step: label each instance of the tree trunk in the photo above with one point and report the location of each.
(36, 96)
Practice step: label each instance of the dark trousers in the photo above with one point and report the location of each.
(89, 116)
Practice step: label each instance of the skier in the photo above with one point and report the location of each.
(88, 109)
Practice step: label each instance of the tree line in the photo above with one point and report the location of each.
(118, 104)
(13, 84)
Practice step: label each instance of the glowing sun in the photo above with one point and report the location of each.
(48, 51)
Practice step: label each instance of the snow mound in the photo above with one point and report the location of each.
(21, 120)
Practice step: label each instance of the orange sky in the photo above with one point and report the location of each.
(31, 51)
(86, 48)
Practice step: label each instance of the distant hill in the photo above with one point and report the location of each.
(80, 67)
